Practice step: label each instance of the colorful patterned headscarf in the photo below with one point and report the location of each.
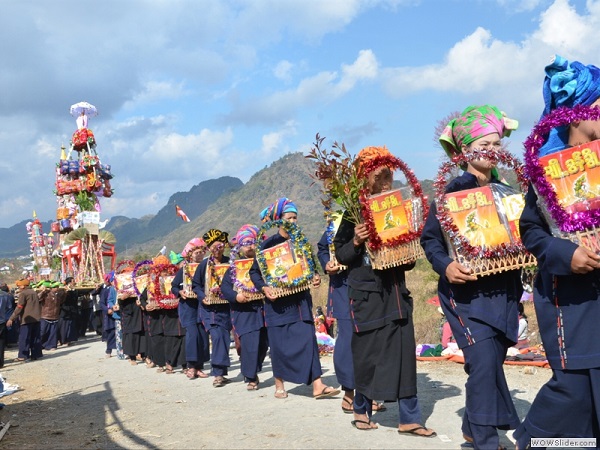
(191, 246)
(473, 123)
(109, 277)
(567, 84)
(213, 235)
(369, 156)
(276, 210)
(175, 258)
(246, 235)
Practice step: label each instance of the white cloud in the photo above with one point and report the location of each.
(561, 28)
(283, 70)
(273, 142)
(322, 88)
(519, 5)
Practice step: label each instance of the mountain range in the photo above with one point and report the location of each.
(225, 203)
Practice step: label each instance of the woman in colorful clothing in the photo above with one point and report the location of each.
(482, 312)
(196, 338)
(289, 319)
(173, 330)
(338, 307)
(153, 324)
(566, 292)
(132, 321)
(216, 318)
(247, 315)
(383, 342)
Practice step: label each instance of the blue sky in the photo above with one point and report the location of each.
(193, 90)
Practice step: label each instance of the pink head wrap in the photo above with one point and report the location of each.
(192, 245)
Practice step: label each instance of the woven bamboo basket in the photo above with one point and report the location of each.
(252, 296)
(214, 299)
(387, 257)
(284, 291)
(490, 266)
(589, 239)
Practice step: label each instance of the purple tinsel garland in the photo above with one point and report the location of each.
(568, 223)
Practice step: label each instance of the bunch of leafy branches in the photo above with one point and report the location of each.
(338, 170)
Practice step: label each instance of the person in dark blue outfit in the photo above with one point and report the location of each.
(289, 319)
(215, 318)
(338, 308)
(383, 339)
(196, 338)
(108, 299)
(6, 302)
(482, 312)
(567, 288)
(247, 314)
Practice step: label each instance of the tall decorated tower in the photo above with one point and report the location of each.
(81, 180)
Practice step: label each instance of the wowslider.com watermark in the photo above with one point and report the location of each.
(563, 442)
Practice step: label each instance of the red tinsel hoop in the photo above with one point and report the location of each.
(447, 223)
(375, 243)
(168, 300)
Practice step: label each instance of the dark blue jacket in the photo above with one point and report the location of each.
(209, 314)
(338, 304)
(567, 305)
(187, 308)
(476, 310)
(245, 317)
(284, 310)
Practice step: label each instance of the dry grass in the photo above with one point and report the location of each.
(422, 283)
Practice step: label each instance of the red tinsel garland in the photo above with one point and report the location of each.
(446, 221)
(154, 274)
(375, 243)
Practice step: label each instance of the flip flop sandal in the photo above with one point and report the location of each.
(253, 385)
(413, 432)
(347, 401)
(219, 382)
(200, 374)
(280, 393)
(325, 393)
(356, 422)
(378, 407)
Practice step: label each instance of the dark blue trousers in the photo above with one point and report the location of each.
(253, 352)
(219, 357)
(342, 354)
(49, 333)
(30, 345)
(566, 406)
(409, 410)
(110, 337)
(196, 346)
(489, 405)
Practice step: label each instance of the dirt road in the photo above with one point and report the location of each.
(75, 398)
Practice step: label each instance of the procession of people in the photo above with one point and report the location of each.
(252, 291)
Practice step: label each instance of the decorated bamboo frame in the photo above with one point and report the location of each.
(404, 248)
(482, 260)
